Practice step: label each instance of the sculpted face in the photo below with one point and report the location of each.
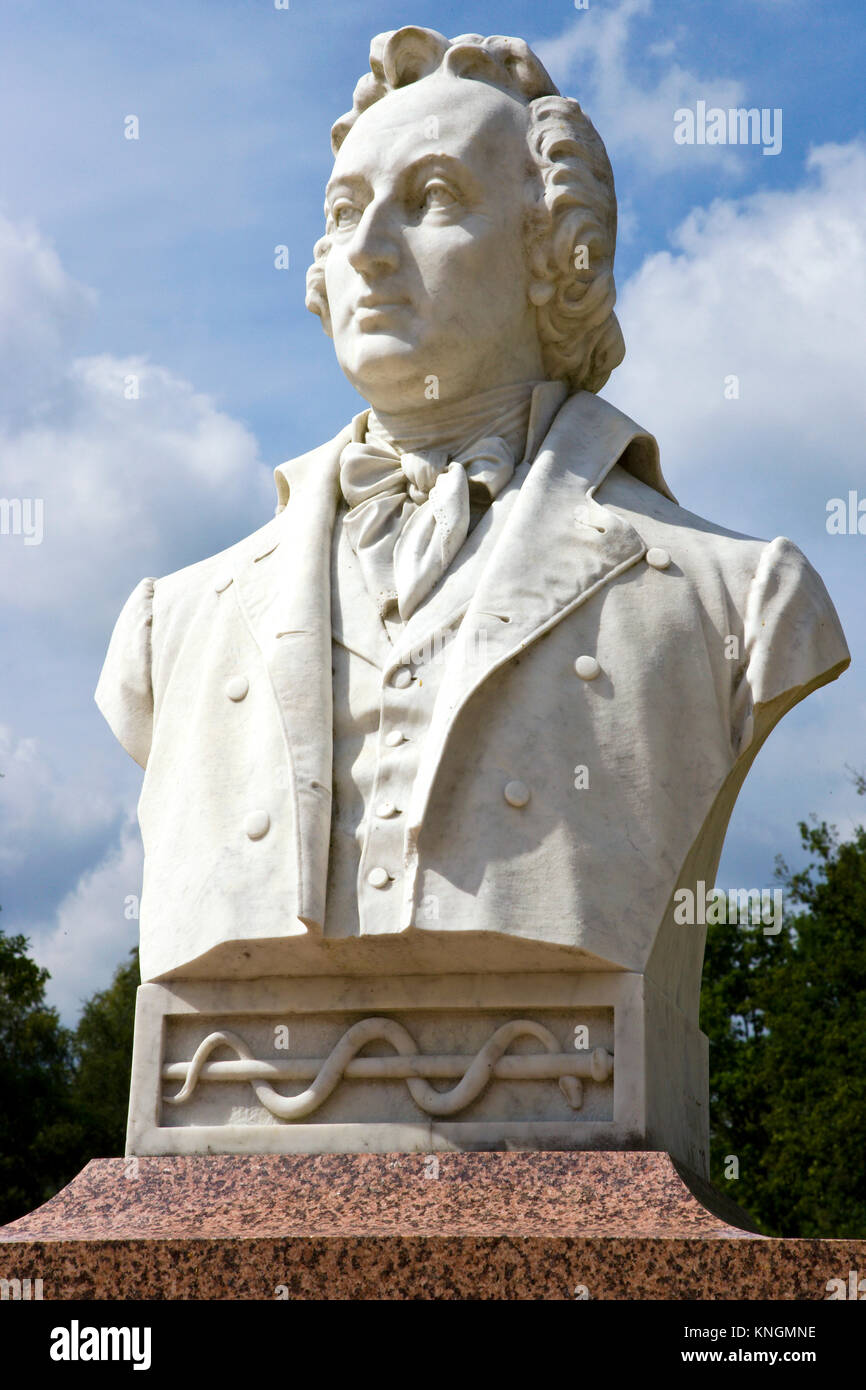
(427, 275)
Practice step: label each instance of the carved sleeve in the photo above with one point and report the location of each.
(124, 693)
(793, 641)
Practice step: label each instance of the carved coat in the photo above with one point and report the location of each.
(633, 659)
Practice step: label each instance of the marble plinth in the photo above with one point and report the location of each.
(423, 1064)
(407, 1226)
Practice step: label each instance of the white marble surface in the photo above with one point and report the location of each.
(530, 767)
(669, 722)
(640, 1064)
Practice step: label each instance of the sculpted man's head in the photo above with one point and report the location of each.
(470, 226)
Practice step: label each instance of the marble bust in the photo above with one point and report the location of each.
(429, 757)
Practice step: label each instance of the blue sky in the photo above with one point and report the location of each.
(155, 257)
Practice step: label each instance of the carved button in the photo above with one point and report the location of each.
(385, 810)
(402, 677)
(516, 793)
(658, 558)
(257, 824)
(237, 687)
(222, 582)
(587, 668)
(378, 878)
(394, 738)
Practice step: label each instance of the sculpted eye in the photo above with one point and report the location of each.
(437, 194)
(345, 214)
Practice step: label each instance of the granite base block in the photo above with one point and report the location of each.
(498, 1225)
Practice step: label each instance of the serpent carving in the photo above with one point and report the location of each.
(433, 1102)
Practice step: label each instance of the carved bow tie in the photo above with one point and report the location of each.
(409, 512)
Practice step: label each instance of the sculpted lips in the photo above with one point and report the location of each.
(382, 301)
(371, 307)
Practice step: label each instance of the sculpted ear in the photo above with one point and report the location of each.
(317, 295)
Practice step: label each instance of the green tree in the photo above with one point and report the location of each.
(785, 1017)
(35, 1059)
(102, 1055)
(63, 1094)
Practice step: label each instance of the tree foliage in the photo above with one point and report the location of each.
(34, 1075)
(785, 1018)
(63, 1093)
(102, 1061)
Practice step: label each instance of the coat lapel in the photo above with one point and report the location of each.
(284, 589)
(557, 548)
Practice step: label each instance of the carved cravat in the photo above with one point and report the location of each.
(410, 488)
(409, 513)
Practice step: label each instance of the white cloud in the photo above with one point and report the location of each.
(53, 826)
(38, 808)
(91, 934)
(770, 288)
(631, 90)
(42, 309)
(137, 472)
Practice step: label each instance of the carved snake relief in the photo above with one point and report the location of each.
(476, 1077)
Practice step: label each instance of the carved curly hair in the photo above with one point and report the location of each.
(572, 205)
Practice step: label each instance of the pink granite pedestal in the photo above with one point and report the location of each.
(407, 1226)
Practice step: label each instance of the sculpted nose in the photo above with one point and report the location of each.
(374, 248)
